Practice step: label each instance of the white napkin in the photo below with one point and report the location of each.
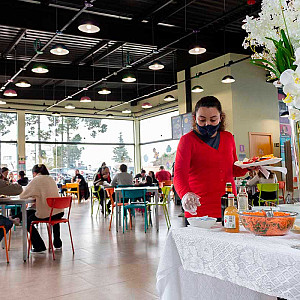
(265, 170)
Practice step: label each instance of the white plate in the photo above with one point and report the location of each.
(265, 162)
(197, 222)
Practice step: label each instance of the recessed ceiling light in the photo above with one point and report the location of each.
(59, 49)
(169, 98)
(228, 79)
(146, 105)
(104, 91)
(39, 68)
(126, 111)
(85, 99)
(23, 84)
(70, 106)
(10, 93)
(197, 50)
(88, 27)
(129, 77)
(197, 89)
(156, 65)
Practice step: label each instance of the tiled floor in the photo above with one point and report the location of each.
(106, 265)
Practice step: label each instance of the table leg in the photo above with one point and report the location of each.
(3, 211)
(117, 209)
(24, 231)
(156, 209)
(91, 201)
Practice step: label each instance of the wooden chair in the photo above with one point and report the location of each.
(71, 186)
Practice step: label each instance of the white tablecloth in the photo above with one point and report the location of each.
(212, 264)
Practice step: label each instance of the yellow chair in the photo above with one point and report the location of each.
(268, 187)
(71, 186)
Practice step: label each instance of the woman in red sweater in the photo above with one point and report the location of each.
(205, 161)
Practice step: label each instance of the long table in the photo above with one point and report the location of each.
(23, 203)
(150, 189)
(210, 264)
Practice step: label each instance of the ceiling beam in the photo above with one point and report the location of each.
(14, 43)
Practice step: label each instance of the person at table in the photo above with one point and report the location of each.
(78, 178)
(4, 173)
(122, 178)
(162, 174)
(11, 177)
(261, 179)
(23, 180)
(205, 161)
(152, 175)
(142, 179)
(41, 187)
(102, 177)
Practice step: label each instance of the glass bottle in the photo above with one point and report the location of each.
(231, 216)
(224, 199)
(242, 198)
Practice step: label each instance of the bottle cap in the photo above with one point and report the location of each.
(230, 195)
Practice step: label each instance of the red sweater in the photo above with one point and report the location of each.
(204, 171)
(163, 175)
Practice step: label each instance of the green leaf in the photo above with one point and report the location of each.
(275, 71)
(287, 43)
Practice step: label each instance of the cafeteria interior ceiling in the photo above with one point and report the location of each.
(132, 32)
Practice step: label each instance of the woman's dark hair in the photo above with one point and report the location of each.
(22, 174)
(4, 169)
(210, 101)
(123, 168)
(152, 174)
(40, 169)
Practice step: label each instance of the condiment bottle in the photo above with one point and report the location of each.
(231, 216)
(224, 199)
(242, 198)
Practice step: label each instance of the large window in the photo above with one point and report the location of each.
(157, 146)
(64, 144)
(8, 140)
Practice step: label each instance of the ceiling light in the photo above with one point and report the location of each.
(228, 79)
(69, 106)
(85, 99)
(129, 77)
(23, 83)
(39, 68)
(169, 98)
(2, 102)
(10, 93)
(104, 91)
(126, 111)
(146, 105)
(59, 49)
(197, 89)
(110, 116)
(56, 113)
(156, 65)
(197, 50)
(88, 27)
(285, 114)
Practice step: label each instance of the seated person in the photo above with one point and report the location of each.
(23, 181)
(82, 183)
(122, 178)
(4, 173)
(41, 187)
(162, 174)
(154, 180)
(143, 179)
(8, 190)
(260, 178)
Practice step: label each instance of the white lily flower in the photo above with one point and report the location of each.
(289, 100)
(297, 54)
(294, 114)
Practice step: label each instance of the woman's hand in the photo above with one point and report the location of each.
(190, 202)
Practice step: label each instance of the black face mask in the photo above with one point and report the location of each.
(208, 131)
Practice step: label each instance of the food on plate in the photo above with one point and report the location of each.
(261, 223)
(257, 158)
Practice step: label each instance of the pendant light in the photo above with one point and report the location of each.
(126, 111)
(40, 69)
(85, 99)
(128, 78)
(59, 49)
(2, 102)
(146, 105)
(89, 27)
(110, 116)
(70, 106)
(228, 79)
(10, 93)
(197, 50)
(23, 84)
(169, 98)
(197, 89)
(104, 91)
(156, 65)
(56, 113)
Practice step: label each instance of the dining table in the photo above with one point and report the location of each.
(149, 189)
(23, 203)
(211, 264)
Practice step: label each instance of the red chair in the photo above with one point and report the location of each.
(60, 203)
(282, 187)
(110, 192)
